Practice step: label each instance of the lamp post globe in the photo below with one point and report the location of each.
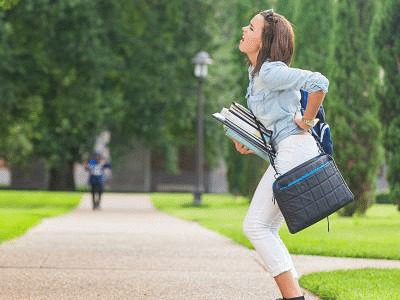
(201, 62)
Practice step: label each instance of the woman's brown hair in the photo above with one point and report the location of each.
(277, 40)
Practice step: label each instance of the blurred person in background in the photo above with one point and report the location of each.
(96, 168)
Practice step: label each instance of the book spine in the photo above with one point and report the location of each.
(250, 129)
(256, 141)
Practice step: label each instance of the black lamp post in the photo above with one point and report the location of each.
(201, 62)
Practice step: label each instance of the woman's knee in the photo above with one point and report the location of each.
(253, 229)
(256, 229)
(247, 228)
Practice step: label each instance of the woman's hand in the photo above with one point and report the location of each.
(314, 102)
(298, 119)
(241, 149)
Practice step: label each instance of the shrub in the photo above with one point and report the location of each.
(385, 199)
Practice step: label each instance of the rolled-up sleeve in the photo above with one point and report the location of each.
(278, 76)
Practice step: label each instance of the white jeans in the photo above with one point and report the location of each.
(264, 218)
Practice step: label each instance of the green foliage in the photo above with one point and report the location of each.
(366, 284)
(393, 146)
(388, 41)
(8, 4)
(355, 108)
(160, 90)
(315, 33)
(70, 69)
(385, 199)
(57, 58)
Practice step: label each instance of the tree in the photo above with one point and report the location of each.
(388, 41)
(354, 103)
(314, 29)
(93, 65)
(161, 38)
(57, 62)
(8, 4)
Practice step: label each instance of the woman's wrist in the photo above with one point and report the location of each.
(309, 123)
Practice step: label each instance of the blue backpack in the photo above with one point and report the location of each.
(321, 131)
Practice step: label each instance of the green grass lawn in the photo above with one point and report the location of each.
(376, 235)
(365, 284)
(20, 210)
(221, 213)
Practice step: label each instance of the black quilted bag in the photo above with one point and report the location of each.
(311, 192)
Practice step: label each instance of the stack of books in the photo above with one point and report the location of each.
(241, 125)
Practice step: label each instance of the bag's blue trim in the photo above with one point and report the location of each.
(305, 176)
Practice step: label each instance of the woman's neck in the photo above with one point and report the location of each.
(253, 59)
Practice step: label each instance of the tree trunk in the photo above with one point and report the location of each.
(397, 58)
(56, 179)
(62, 178)
(69, 178)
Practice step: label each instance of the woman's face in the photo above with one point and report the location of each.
(250, 42)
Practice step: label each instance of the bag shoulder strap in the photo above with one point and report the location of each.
(270, 151)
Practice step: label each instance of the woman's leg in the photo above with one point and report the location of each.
(261, 226)
(264, 219)
(292, 152)
(288, 285)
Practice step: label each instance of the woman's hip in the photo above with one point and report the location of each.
(294, 150)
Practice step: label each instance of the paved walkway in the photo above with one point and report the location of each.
(129, 250)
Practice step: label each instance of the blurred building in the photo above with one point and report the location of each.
(137, 170)
(141, 170)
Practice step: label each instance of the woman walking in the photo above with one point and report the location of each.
(273, 96)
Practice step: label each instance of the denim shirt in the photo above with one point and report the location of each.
(274, 96)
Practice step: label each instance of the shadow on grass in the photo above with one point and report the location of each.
(192, 205)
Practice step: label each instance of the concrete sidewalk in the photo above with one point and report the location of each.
(129, 250)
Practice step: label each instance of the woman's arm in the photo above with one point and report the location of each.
(313, 103)
(277, 76)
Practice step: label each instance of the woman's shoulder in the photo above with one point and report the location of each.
(268, 65)
(273, 64)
